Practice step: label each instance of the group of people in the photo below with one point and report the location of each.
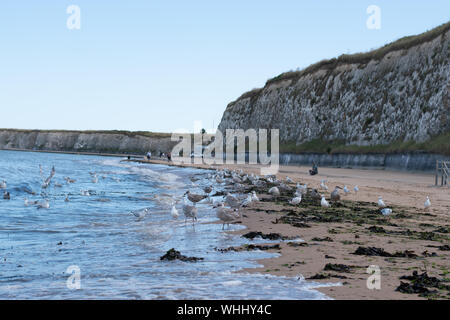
(167, 155)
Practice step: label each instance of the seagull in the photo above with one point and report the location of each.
(324, 203)
(219, 179)
(174, 212)
(323, 186)
(295, 201)
(274, 191)
(43, 204)
(68, 180)
(94, 178)
(386, 211)
(315, 194)
(302, 189)
(289, 180)
(247, 201)
(346, 190)
(335, 196)
(356, 189)
(427, 203)
(190, 212)
(208, 189)
(85, 193)
(67, 198)
(195, 197)
(47, 181)
(254, 196)
(232, 201)
(3, 184)
(6, 195)
(140, 214)
(29, 203)
(226, 215)
(381, 203)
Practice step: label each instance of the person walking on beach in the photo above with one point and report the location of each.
(169, 156)
(149, 155)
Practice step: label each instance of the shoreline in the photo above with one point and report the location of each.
(336, 242)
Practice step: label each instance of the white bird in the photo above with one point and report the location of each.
(247, 201)
(381, 203)
(302, 189)
(386, 211)
(346, 190)
(274, 191)
(29, 203)
(174, 212)
(85, 193)
(323, 186)
(6, 195)
(254, 196)
(3, 184)
(67, 198)
(226, 215)
(324, 203)
(295, 201)
(43, 204)
(289, 180)
(356, 189)
(427, 203)
(140, 214)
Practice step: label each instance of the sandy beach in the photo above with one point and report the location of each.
(411, 239)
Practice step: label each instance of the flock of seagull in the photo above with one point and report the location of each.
(45, 183)
(227, 208)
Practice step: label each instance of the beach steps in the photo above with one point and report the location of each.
(442, 172)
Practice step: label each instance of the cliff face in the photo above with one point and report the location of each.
(73, 141)
(398, 92)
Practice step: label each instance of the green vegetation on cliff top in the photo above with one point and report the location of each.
(439, 144)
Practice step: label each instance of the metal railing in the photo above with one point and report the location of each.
(443, 172)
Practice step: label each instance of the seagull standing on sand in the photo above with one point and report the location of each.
(386, 212)
(323, 186)
(254, 196)
(324, 203)
(381, 203)
(356, 189)
(289, 180)
(226, 215)
(335, 196)
(247, 201)
(274, 191)
(232, 201)
(427, 203)
(295, 201)
(346, 191)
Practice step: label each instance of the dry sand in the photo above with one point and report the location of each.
(404, 192)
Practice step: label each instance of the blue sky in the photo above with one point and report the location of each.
(161, 65)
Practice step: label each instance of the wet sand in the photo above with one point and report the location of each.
(410, 229)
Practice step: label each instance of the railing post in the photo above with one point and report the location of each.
(436, 174)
